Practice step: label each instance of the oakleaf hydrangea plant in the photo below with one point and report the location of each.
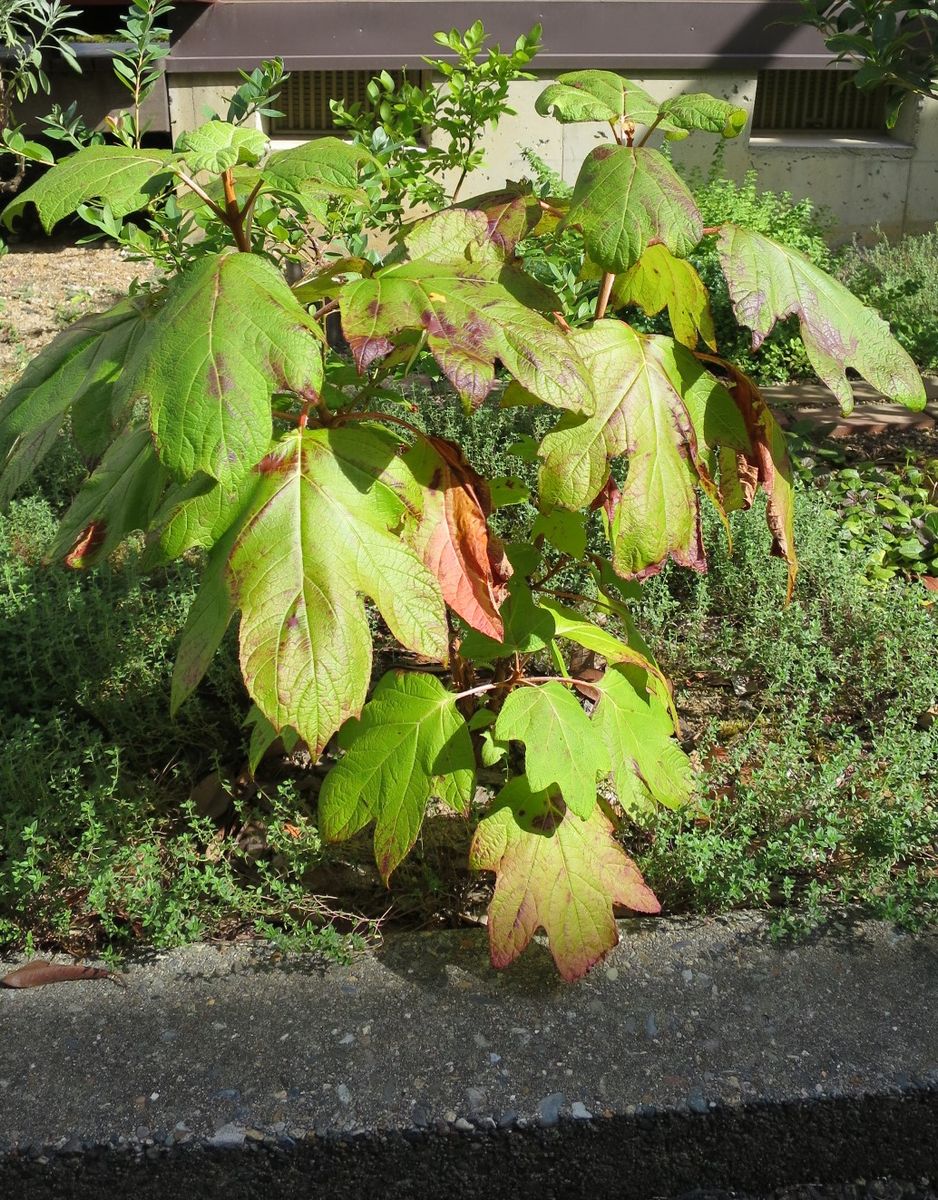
(214, 416)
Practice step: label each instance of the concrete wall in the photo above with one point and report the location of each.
(863, 180)
(194, 97)
(96, 92)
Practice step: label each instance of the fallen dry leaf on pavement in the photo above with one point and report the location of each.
(38, 973)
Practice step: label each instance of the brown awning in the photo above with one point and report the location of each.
(624, 34)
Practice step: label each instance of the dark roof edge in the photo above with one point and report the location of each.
(336, 34)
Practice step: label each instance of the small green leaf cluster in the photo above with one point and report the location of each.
(30, 32)
(216, 418)
(889, 516)
(393, 125)
(892, 42)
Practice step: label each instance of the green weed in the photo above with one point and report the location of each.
(818, 792)
(900, 280)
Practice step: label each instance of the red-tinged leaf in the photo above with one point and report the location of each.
(453, 537)
(86, 545)
(449, 280)
(766, 465)
(39, 973)
(930, 582)
(608, 498)
(557, 872)
(511, 215)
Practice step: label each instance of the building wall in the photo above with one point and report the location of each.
(96, 92)
(864, 180)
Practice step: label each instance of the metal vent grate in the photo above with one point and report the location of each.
(812, 100)
(304, 98)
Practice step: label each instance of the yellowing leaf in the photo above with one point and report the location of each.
(411, 743)
(660, 280)
(320, 529)
(562, 748)
(556, 872)
(768, 282)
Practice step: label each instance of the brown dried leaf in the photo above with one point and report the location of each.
(38, 973)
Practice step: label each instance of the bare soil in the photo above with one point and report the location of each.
(45, 286)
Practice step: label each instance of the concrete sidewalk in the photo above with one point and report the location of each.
(700, 1054)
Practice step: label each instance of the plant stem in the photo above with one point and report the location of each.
(247, 213)
(555, 570)
(605, 291)
(526, 679)
(380, 416)
(233, 216)
(651, 129)
(325, 309)
(561, 594)
(202, 194)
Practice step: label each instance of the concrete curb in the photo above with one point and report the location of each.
(701, 1054)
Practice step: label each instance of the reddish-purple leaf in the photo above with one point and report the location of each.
(511, 215)
(453, 536)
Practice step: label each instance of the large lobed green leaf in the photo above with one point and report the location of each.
(596, 96)
(592, 95)
(229, 335)
(768, 282)
(218, 146)
(124, 178)
(318, 531)
(699, 110)
(322, 165)
(454, 285)
(660, 408)
(624, 198)
(562, 747)
(410, 744)
(78, 368)
(648, 765)
(557, 872)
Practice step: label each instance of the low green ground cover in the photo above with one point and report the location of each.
(814, 726)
